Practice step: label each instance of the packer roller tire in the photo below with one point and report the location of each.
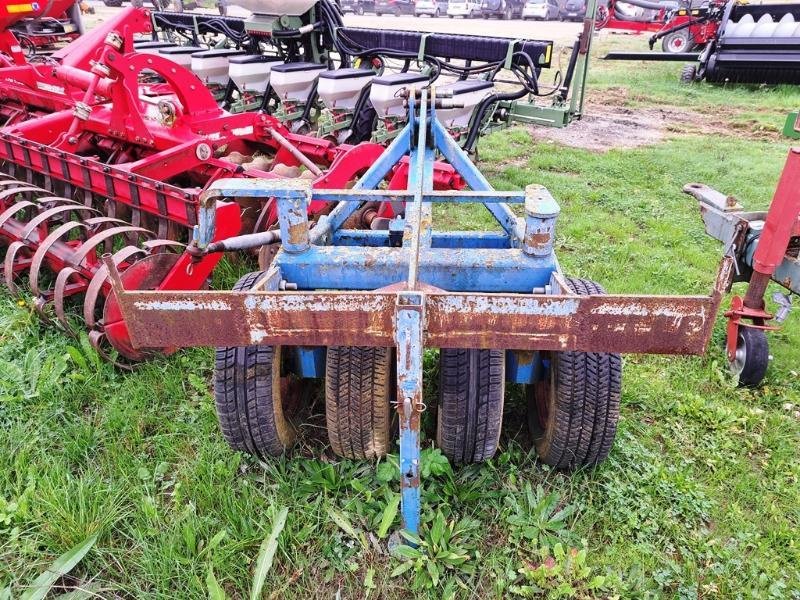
(573, 408)
(359, 392)
(471, 394)
(251, 394)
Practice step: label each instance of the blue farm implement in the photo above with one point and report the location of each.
(359, 307)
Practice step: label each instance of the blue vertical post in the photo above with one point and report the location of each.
(408, 337)
(409, 324)
(293, 222)
(541, 212)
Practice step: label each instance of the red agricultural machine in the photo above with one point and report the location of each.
(746, 43)
(765, 247)
(38, 27)
(109, 144)
(680, 28)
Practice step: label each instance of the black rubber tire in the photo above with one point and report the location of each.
(359, 392)
(113, 3)
(248, 394)
(688, 73)
(471, 395)
(752, 357)
(359, 10)
(581, 394)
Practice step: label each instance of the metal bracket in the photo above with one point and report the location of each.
(409, 323)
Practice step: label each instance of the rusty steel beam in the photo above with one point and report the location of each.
(614, 323)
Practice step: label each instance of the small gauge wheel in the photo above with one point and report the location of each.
(749, 364)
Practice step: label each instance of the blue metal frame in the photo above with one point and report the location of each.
(411, 285)
(517, 259)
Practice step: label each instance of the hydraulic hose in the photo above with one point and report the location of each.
(480, 113)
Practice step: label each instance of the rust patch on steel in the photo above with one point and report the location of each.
(538, 240)
(298, 233)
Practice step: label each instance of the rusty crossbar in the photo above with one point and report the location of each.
(613, 323)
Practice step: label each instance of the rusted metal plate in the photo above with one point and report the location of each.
(635, 324)
(627, 324)
(241, 319)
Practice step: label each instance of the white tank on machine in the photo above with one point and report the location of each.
(181, 55)
(251, 72)
(293, 82)
(340, 88)
(468, 93)
(152, 46)
(212, 65)
(385, 91)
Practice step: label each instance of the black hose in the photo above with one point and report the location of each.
(573, 60)
(480, 113)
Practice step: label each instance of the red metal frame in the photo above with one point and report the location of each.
(780, 226)
(701, 32)
(85, 123)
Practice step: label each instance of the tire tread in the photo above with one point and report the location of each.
(586, 407)
(244, 395)
(471, 390)
(358, 392)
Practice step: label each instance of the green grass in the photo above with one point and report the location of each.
(700, 496)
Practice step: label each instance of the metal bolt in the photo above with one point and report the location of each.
(82, 110)
(101, 69)
(203, 151)
(114, 40)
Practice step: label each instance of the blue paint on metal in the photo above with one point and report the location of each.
(459, 159)
(439, 239)
(541, 212)
(293, 221)
(470, 239)
(255, 188)
(374, 176)
(521, 366)
(310, 362)
(408, 337)
(203, 232)
(450, 197)
(457, 270)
